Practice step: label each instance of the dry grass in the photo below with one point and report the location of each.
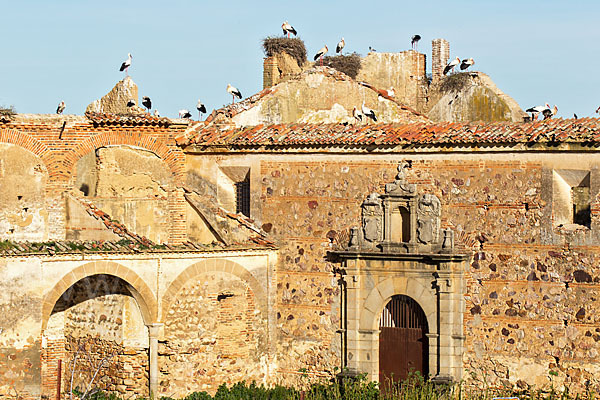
(350, 64)
(455, 82)
(293, 46)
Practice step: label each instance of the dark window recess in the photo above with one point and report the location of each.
(581, 205)
(242, 193)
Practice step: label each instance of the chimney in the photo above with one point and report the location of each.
(270, 72)
(440, 53)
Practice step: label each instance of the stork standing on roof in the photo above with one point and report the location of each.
(184, 114)
(451, 65)
(340, 46)
(201, 109)
(60, 108)
(535, 111)
(234, 93)
(415, 41)
(126, 64)
(287, 29)
(550, 112)
(465, 64)
(368, 112)
(131, 103)
(146, 102)
(156, 114)
(321, 53)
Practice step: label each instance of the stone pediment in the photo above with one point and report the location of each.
(401, 220)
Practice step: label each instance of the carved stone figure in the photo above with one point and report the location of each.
(372, 218)
(428, 218)
(400, 186)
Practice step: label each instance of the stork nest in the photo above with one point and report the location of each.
(7, 111)
(293, 46)
(349, 64)
(456, 82)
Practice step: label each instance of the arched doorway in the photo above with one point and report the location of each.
(403, 342)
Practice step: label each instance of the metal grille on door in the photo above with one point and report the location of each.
(403, 345)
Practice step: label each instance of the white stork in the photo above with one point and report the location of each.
(321, 53)
(126, 64)
(184, 114)
(368, 112)
(451, 65)
(156, 114)
(287, 29)
(131, 103)
(201, 109)
(415, 41)
(61, 107)
(340, 46)
(465, 64)
(234, 93)
(535, 111)
(146, 102)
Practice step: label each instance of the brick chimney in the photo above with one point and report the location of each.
(440, 53)
(270, 72)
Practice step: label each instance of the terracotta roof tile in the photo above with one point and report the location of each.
(127, 119)
(555, 130)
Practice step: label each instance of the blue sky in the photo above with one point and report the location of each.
(536, 52)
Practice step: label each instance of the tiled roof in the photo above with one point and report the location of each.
(141, 118)
(115, 226)
(121, 246)
(581, 130)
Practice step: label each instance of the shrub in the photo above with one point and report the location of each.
(293, 46)
(349, 64)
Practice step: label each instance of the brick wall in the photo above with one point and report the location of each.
(440, 53)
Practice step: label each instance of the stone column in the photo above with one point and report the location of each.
(440, 52)
(153, 333)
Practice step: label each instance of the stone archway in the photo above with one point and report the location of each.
(98, 312)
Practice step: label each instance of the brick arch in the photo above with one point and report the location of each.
(141, 292)
(170, 156)
(381, 294)
(221, 265)
(31, 144)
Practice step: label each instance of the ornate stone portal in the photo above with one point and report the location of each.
(401, 249)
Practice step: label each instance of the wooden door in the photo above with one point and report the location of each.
(403, 344)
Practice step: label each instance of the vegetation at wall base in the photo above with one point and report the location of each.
(348, 64)
(414, 388)
(293, 46)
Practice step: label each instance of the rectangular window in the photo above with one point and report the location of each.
(242, 193)
(571, 198)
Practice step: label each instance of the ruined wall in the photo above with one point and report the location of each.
(23, 209)
(214, 334)
(404, 71)
(321, 95)
(20, 369)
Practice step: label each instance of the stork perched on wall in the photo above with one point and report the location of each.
(234, 93)
(321, 53)
(287, 29)
(130, 103)
(61, 107)
(126, 64)
(415, 41)
(357, 114)
(451, 65)
(340, 46)
(465, 64)
(201, 109)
